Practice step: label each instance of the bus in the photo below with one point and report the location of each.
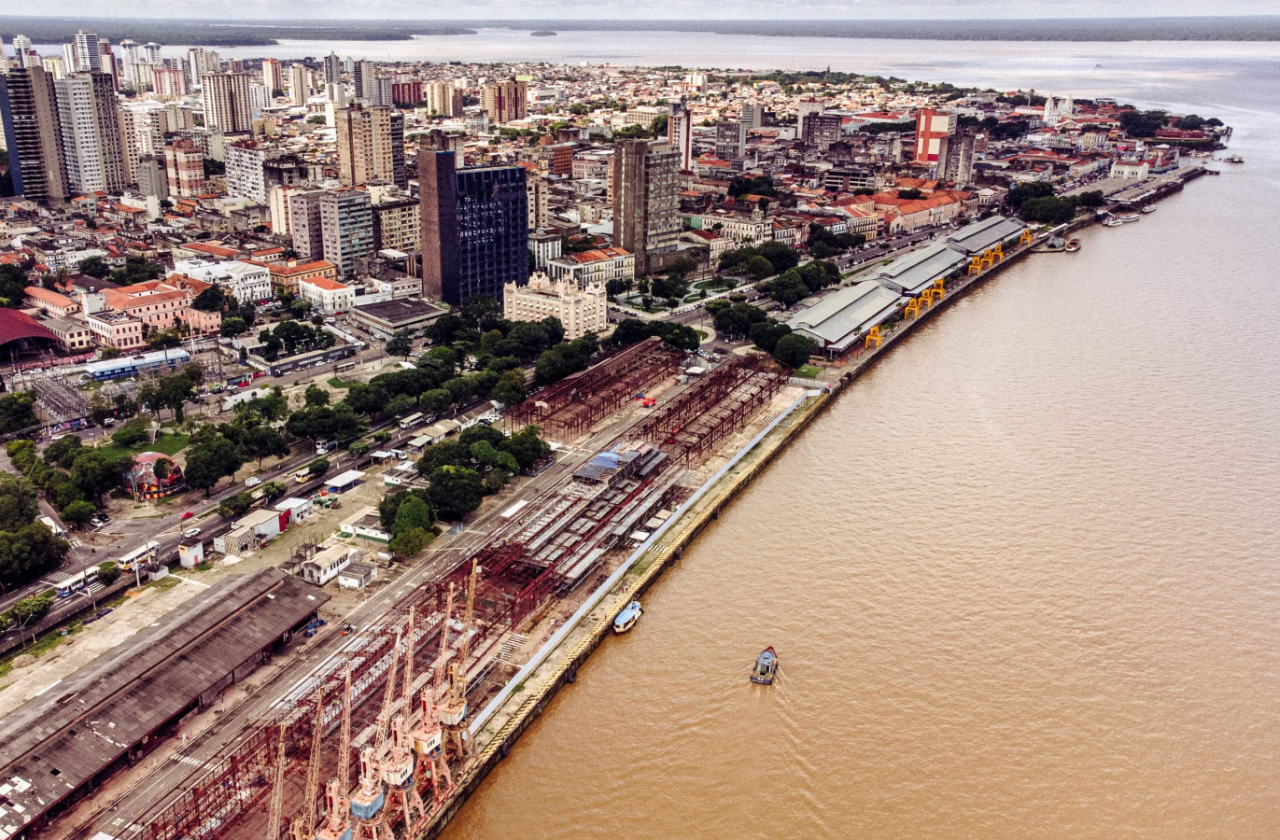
(77, 582)
(142, 554)
(343, 366)
(411, 421)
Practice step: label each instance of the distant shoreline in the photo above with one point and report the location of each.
(267, 33)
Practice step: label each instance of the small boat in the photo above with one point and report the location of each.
(1073, 245)
(1130, 217)
(766, 667)
(1149, 208)
(1112, 222)
(1234, 159)
(628, 617)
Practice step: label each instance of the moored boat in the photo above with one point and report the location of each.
(628, 617)
(1073, 245)
(1128, 217)
(1149, 208)
(1113, 222)
(1234, 159)
(766, 667)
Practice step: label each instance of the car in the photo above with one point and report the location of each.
(252, 481)
(185, 516)
(96, 522)
(191, 532)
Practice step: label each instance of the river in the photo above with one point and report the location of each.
(1022, 576)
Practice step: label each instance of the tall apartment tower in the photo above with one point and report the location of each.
(752, 116)
(151, 177)
(299, 83)
(646, 204)
(442, 98)
(505, 101)
(272, 74)
(932, 131)
(32, 134)
(346, 229)
(184, 168)
(371, 146)
(731, 141)
(539, 197)
(332, 69)
(304, 223)
(364, 78)
(955, 157)
(86, 52)
(226, 102)
(475, 236)
(680, 133)
(89, 120)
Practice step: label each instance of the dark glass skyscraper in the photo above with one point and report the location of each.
(475, 236)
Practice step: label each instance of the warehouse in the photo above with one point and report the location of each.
(388, 318)
(910, 275)
(61, 745)
(988, 233)
(841, 319)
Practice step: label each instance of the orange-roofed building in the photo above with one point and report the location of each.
(596, 266)
(156, 304)
(285, 275)
(59, 306)
(326, 295)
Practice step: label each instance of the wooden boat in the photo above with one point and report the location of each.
(1073, 245)
(766, 667)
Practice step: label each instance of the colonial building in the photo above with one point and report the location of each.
(580, 310)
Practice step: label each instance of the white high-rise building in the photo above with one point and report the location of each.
(299, 83)
(365, 81)
(92, 139)
(152, 51)
(88, 52)
(69, 58)
(21, 46)
(245, 175)
(259, 99)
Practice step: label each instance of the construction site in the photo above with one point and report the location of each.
(381, 738)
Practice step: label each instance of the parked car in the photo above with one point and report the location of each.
(185, 516)
(252, 481)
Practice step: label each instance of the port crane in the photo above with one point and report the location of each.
(336, 792)
(453, 708)
(428, 736)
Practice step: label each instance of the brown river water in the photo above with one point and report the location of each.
(1023, 577)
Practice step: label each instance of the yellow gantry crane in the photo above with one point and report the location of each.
(873, 335)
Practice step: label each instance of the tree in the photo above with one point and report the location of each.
(94, 267)
(264, 442)
(108, 573)
(510, 389)
(13, 282)
(400, 344)
(757, 268)
(17, 412)
(131, 434)
(455, 491)
(97, 475)
(434, 401)
(410, 542)
(794, 350)
(316, 396)
(413, 512)
(28, 612)
(233, 326)
(358, 448)
(318, 467)
(18, 506)
(78, 513)
(209, 461)
(399, 405)
(526, 446)
(766, 334)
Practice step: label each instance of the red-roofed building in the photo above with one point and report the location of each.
(596, 266)
(325, 295)
(59, 306)
(19, 330)
(155, 304)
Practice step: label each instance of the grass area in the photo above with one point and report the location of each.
(335, 382)
(166, 582)
(808, 371)
(716, 284)
(702, 334)
(166, 445)
(41, 646)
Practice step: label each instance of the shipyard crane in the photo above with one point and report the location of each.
(398, 758)
(453, 708)
(304, 825)
(428, 737)
(338, 789)
(367, 801)
(277, 791)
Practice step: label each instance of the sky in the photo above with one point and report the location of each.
(303, 10)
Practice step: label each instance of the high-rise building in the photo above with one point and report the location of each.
(21, 47)
(272, 74)
(152, 51)
(364, 78)
(29, 112)
(168, 82)
(86, 51)
(299, 83)
(184, 167)
(332, 69)
(346, 229)
(505, 101)
(371, 146)
(932, 129)
(646, 201)
(226, 102)
(199, 62)
(821, 130)
(680, 133)
(442, 98)
(539, 196)
(245, 174)
(752, 116)
(304, 223)
(955, 157)
(475, 236)
(89, 120)
(151, 176)
(731, 141)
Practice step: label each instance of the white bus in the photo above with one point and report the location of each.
(77, 582)
(411, 421)
(145, 553)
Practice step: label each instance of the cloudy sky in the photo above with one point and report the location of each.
(303, 10)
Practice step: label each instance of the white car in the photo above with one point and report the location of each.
(191, 532)
(253, 482)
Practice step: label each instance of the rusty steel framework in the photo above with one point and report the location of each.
(573, 405)
(715, 407)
